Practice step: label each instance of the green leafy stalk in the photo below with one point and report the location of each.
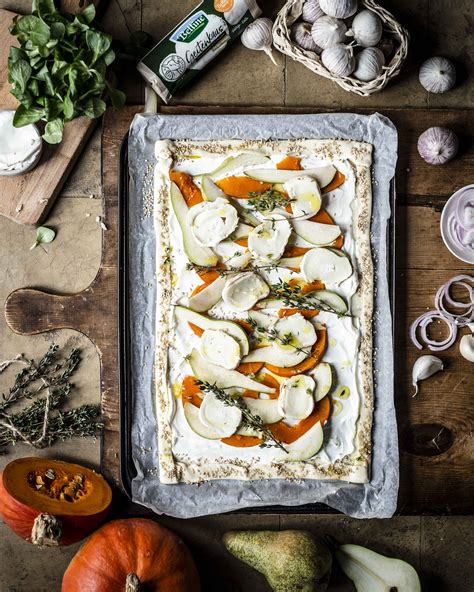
(249, 419)
(293, 297)
(59, 71)
(268, 200)
(273, 335)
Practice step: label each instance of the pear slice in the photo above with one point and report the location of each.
(275, 356)
(191, 413)
(316, 233)
(222, 378)
(322, 374)
(324, 264)
(196, 253)
(262, 319)
(327, 297)
(208, 297)
(372, 572)
(291, 262)
(243, 290)
(266, 409)
(204, 322)
(215, 414)
(305, 447)
(242, 231)
(220, 348)
(211, 192)
(235, 163)
(323, 175)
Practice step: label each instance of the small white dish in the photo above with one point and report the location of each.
(20, 148)
(463, 253)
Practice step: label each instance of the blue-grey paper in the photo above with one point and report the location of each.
(376, 499)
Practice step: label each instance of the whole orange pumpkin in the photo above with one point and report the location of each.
(131, 555)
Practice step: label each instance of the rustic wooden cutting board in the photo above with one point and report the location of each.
(435, 428)
(27, 198)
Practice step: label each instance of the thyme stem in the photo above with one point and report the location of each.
(249, 419)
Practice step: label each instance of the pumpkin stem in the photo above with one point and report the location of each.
(46, 531)
(132, 583)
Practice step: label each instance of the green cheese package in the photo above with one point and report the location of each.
(195, 42)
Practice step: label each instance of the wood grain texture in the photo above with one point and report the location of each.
(436, 447)
(27, 198)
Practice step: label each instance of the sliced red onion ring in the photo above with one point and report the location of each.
(453, 320)
(423, 321)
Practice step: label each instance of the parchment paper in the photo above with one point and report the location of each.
(376, 499)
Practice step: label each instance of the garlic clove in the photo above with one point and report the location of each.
(438, 145)
(258, 36)
(423, 368)
(466, 347)
(437, 75)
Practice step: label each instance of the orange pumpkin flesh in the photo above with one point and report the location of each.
(75, 497)
(157, 558)
(242, 187)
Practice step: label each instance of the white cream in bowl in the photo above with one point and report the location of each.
(20, 147)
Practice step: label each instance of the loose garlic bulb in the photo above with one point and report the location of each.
(438, 145)
(327, 31)
(369, 64)
(339, 8)
(301, 33)
(258, 36)
(311, 11)
(339, 59)
(366, 28)
(437, 75)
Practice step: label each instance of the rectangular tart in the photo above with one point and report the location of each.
(263, 354)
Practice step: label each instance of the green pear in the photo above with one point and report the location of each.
(372, 572)
(291, 560)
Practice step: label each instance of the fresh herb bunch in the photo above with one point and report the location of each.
(59, 71)
(268, 200)
(249, 419)
(42, 422)
(293, 297)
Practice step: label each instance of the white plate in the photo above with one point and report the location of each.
(466, 255)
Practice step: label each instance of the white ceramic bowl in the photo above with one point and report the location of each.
(33, 154)
(464, 254)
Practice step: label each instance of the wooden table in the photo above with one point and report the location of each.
(437, 464)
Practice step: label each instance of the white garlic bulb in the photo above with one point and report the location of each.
(339, 59)
(366, 28)
(311, 11)
(437, 75)
(258, 36)
(301, 33)
(327, 31)
(438, 145)
(424, 367)
(466, 347)
(369, 64)
(339, 8)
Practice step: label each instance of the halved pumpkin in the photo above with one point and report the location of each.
(50, 502)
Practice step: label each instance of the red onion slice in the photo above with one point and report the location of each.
(423, 321)
(452, 320)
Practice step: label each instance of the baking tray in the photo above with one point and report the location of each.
(127, 467)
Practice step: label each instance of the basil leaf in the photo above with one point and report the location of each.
(25, 24)
(19, 74)
(68, 107)
(44, 235)
(98, 42)
(94, 108)
(40, 33)
(16, 54)
(117, 97)
(88, 14)
(53, 132)
(24, 116)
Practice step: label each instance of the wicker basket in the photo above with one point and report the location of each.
(283, 42)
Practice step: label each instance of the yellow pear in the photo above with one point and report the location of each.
(291, 560)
